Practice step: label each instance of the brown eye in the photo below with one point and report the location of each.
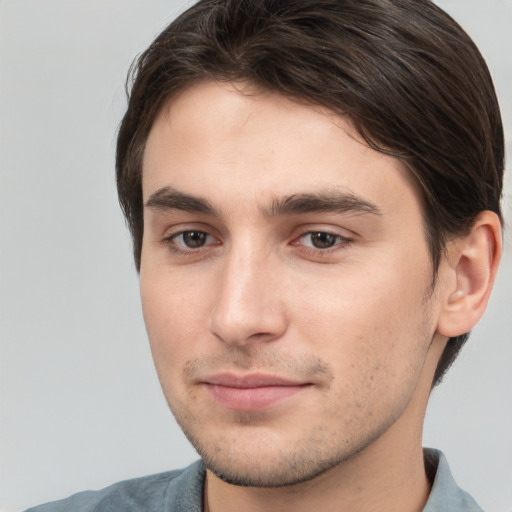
(321, 240)
(194, 239)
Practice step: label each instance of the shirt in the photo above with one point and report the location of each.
(182, 491)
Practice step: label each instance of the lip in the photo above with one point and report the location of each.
(253, 392)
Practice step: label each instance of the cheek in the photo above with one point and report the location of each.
(373, 327)
(366, 305)
(172, 298)
(173, 314)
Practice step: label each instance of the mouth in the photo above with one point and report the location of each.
(253, 392)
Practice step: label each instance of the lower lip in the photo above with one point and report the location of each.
(252, 399)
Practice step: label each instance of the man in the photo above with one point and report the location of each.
(313, 192)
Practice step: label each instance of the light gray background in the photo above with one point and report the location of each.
(80, 404)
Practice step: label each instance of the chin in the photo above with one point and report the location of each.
(262, 473)
(266, 462)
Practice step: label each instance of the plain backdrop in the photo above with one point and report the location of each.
(80, 403)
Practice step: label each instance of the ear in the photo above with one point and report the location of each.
(472, 266)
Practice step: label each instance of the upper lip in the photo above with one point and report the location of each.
(253, 380)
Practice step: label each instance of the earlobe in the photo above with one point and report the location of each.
(473, 263)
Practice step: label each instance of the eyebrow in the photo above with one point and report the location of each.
(168, 198)
(322, 202)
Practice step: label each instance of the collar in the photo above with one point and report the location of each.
(445, 493)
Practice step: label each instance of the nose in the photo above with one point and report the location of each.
(248, 306)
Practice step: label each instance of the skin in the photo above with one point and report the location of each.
(235, 283)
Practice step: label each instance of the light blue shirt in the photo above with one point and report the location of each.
(182, 491)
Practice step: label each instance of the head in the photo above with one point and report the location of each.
(408, 77)
(401, 78)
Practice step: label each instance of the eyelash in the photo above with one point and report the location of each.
(177, 249)
(341, 242)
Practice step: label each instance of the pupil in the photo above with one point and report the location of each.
(323, 240)
(194, 239)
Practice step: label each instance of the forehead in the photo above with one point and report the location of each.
(216, 138)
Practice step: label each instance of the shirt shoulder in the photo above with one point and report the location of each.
(174, 491)
(446, 495)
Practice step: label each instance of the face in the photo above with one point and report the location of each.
(285, 283)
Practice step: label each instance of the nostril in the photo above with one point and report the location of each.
(247, 325)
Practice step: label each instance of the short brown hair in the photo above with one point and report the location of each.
(410, 79)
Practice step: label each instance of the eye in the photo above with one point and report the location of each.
(190, 240)
(321, 240)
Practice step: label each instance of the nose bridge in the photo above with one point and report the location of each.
(247, 307)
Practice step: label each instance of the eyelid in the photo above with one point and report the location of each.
(169, 238)
(178, 228)
(319, 227)
(345, 238)
(341, 238)
(182, 233)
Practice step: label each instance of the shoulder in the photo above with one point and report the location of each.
(445, 493)
(173, 490)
